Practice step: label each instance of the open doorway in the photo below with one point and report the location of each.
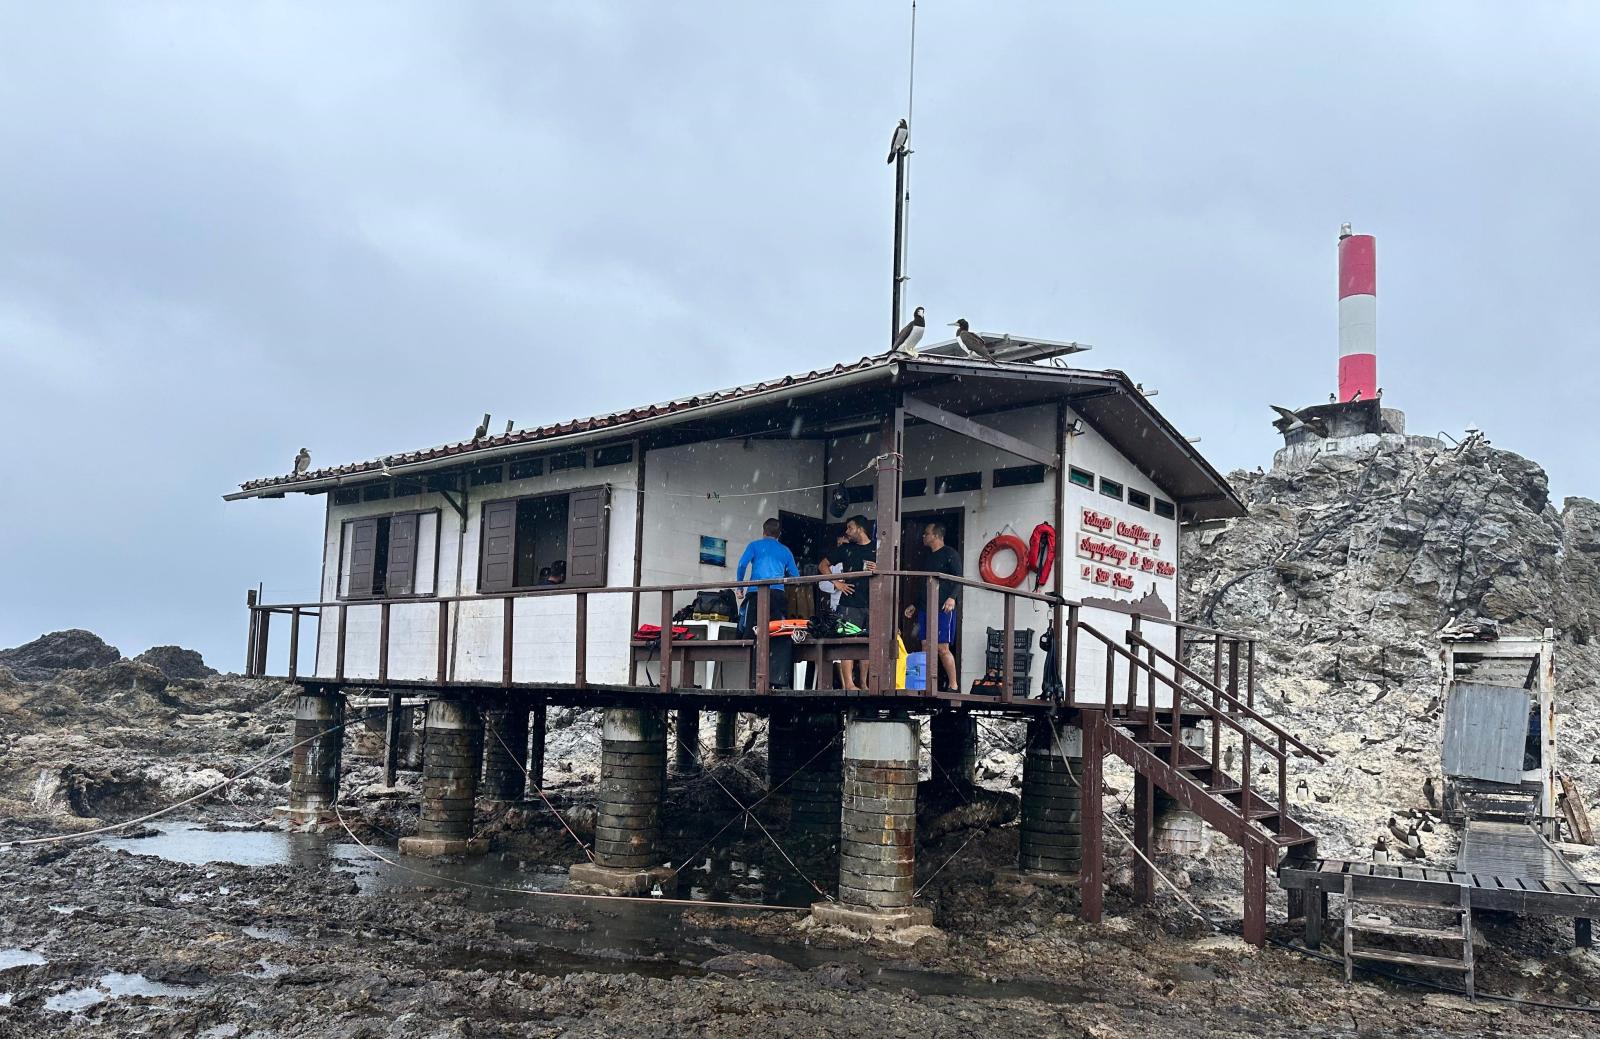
(914, 556)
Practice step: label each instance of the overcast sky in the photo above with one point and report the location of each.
(230, 230)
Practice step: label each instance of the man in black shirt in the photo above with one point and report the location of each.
(858, 553)
(942, 559)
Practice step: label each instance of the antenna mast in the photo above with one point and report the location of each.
(902, 189)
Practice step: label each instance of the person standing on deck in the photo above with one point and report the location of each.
(858, 554)
(765, 558)
(942, 559)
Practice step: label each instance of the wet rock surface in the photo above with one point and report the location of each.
(1347, 569)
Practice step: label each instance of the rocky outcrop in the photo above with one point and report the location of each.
(1347, 569)
(176, 662)
(70, 650)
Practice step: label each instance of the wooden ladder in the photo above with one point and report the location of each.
(1458, 934)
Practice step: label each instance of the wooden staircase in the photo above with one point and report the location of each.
(1253, 816)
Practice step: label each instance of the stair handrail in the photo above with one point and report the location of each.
(1248, 739)
(1190, 694)
(1239, 706)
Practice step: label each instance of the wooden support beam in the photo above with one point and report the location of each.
(665, 642)
(882, 613)
(383, 643)
(444, 642)
(925, 412)
(1144, 822)
(391, 742)
(294, 643)
(508, 624)
(1092, 901)
(580, 666)
(1255, 890)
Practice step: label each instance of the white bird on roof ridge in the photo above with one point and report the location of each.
(906, 342)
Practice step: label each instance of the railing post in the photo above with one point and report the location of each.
(763, 638)
(580, 667)
(1134, 628)
(930, 638)
(508, 625)
(1244, 777)
(383, 644)
(665, 684)
(1177, 711)
(444, 642)
(1111, 676)
(250, 639)
(262, 631)
(1072, 653)
(1250, 674)
(338, 658)
(1233, 668)
(294, 643)
(1009, 666)
(1283, 780)
(1216, 663)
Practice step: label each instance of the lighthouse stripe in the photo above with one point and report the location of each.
(1358, 325)
(1358, 266)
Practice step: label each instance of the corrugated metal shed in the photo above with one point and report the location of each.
(1485, 731)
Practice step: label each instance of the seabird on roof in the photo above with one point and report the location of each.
(897, 143)
(906, 342)
(972, 342)
(302, 461)
(483, 428)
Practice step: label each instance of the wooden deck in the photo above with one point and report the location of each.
(1431, 887)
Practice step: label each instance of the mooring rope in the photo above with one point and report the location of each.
(540, 893)
(527, 778)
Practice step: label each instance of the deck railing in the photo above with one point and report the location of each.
(658, 603)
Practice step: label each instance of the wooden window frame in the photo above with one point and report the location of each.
(438, 539)
(605, 547)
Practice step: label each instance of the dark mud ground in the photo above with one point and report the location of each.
(320, 940)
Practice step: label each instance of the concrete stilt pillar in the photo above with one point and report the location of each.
(633, 778)
(954, 749)
(505, 753)
(877, 846)
(536, 731)
(1051, 846)
(686, 747)
(314, 775)
(815, 760)
(727, 735)
(452, 760)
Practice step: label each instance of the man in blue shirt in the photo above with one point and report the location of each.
(765, 558)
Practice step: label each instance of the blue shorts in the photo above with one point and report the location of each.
(947, 626)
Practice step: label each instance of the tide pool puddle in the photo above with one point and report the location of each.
(115, 985)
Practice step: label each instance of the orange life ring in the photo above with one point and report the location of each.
(1004, 543)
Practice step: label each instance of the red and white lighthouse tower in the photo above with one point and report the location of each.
(1358, 316)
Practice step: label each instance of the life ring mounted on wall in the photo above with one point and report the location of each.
(1004, 543)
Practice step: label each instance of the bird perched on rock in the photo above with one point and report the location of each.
(1380, 850)
(483, 428)
(1414, 836)
(1426, 826)
(897, 143)
(1396, 829)
(302, 461)
(1227, 760)
(1430, 792)
(971, 342)
(906, 342)
(1302, 790)
(1411, 852)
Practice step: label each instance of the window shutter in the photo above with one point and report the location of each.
(401, 576)
(363, 555)
(587, 513)
(498, 553)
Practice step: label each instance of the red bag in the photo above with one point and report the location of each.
(652, 633)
